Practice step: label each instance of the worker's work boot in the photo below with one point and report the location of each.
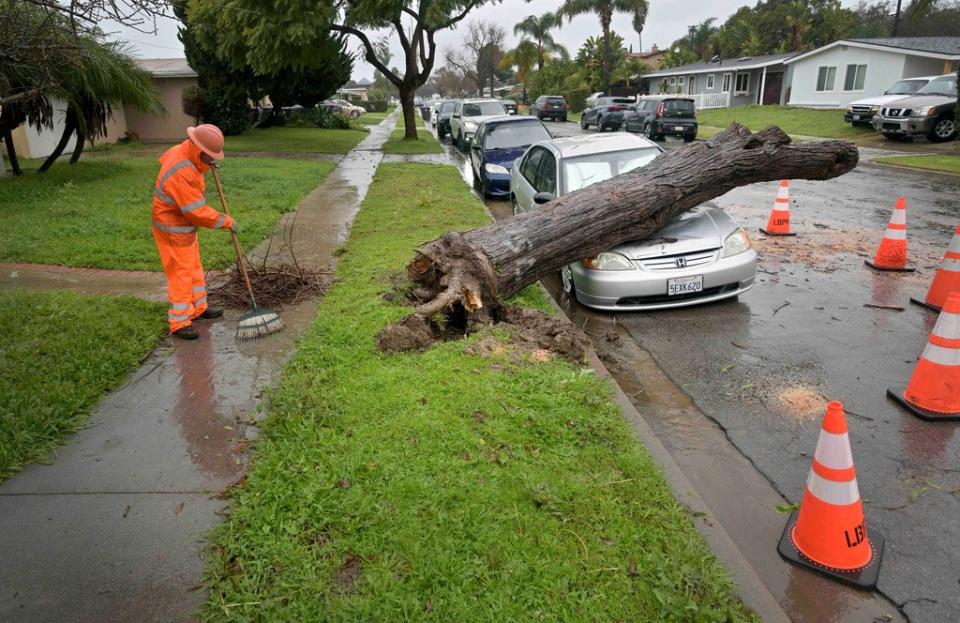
(212, 312)
(188, 332)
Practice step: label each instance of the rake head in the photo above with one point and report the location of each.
(258, 323)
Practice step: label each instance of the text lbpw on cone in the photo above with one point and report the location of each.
(779, 222)
(829, 534)
(892, 252)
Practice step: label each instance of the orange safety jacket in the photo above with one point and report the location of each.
(179, 204)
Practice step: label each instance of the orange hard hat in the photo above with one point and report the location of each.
(208, 138)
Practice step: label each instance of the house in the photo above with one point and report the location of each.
(727, 82)
(170, 75)
(355, 92)
(652, 58)
(836, 74)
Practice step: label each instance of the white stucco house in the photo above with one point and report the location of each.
(836, 74)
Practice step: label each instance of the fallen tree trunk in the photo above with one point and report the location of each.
(468, 274)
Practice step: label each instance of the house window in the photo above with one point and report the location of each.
(673, 80)
(680, 80)
(743, 83)
(856, 74)
(726, 83)
(691, 84)
(825, 78)
(710, 81)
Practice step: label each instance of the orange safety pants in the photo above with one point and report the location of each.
(186, 289)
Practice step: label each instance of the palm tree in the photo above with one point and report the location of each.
(605, 10)
(702, 38)
(538, 29)
(523, 57)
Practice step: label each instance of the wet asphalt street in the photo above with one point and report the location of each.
(763, 367)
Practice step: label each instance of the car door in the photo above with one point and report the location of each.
(546, 178)
(455, 119)
(630, 117)
(476, 155)
(524, 188)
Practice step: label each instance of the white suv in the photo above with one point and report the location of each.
(468, 115)
(863, 111)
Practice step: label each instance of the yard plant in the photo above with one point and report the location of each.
(470, 482)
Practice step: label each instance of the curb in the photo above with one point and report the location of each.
(915, 170)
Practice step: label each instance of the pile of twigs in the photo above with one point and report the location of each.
(274, 286)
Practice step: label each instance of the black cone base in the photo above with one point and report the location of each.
(923, 414)
(905, 269)
(925, 304)
(864, 578)
(770, 233)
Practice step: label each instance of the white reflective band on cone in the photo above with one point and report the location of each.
(833, 450)
(941, 355)
(951, 265)
(896, 234)
(899, 217)
(948, 326)
(836, 493)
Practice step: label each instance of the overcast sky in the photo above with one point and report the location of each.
(667, 21)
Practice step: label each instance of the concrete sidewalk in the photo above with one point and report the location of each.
(113, 529)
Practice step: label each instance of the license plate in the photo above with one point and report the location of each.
(678, 128)
(856, 117)
(684, 285)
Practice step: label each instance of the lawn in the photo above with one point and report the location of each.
(447, 486)
(949, 164)
(425, 143)
(801, 121)
(96, 213)
(303, 140)
(372, 118)
(417, 116)
(61, 352)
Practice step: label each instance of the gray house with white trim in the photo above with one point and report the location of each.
(728, 82)
(836, 74)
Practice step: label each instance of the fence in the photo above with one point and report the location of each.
(703, 101)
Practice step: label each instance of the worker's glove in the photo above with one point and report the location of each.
(233, 226)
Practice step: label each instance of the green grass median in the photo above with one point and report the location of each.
(295, 140)
(792, 120)
(60, 353)
(445, 485)
(96, 213)
(944, 163)
(424, 144)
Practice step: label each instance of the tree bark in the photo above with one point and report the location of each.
(409, 112)
(12, 153)
(605, 19)
(472, 272)
(69, 125)
(78, 150)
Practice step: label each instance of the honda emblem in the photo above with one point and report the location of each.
(681, 262)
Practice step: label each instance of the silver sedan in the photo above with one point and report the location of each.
(699, 257)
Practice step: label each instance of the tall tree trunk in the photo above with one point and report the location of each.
(81, 140)
(470, 273)
(3, 168)
(605, 17)
(407, 92)
(12, 153)
(69, 125)
(896, 20)
(540, 54)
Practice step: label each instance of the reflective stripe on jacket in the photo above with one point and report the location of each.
(179, 203)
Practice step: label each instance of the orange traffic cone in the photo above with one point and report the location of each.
(947, 279)
(779, 222)
(828, 533)
(934, 389)
(892, 253)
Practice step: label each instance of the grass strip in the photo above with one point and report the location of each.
(425, 143)
(96, 213)
(945, 163)
(303, 140)
(372, 118)
(792, 120)
(60, 353)
(444, 485)
(416, 115)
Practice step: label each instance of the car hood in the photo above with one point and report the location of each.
(880, 100)
(504, 157)
(925, 100)
(704, 227)
(481, 118)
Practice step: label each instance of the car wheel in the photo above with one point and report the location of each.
(648, 132)
(944, 129)
(566, 282)
(687, 139)
(513, 205)
(355, 113)
(583, 123)
(563, 118)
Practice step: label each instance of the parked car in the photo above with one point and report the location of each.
(468, 115)
(930, 113)
(498, 142)
(662, 115)
(862, 111)
(592, 100)
(333, 106)
(699, 257)
(607, 112)
(510, 106)
(549, 107)
(434, 111)
(351, 110)
(443, 118)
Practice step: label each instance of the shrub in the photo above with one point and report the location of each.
(226, 107)
(193, 100)
(576, 98)
(375, 106)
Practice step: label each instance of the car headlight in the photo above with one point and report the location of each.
(496, 168)
(470, 125)
(736, 243)
(924, 111)
(874, 110)
(607, 261)
(849, 108)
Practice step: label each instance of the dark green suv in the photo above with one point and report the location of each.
(658, 116)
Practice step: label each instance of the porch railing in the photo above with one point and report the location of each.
(703, 101)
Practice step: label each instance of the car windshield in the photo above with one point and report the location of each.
(583, 171)
(513, 135)
(941, 86)
(479, 109)
(678, 108)
(610, 101)
(905, 87)
(447, 106)
(556, 100)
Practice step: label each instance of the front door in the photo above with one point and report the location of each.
(772, 88)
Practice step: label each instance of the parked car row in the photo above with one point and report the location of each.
(915, 107)
(343, 107)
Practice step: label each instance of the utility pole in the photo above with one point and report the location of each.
(896, 19)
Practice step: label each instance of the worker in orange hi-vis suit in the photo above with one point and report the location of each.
(179, 208)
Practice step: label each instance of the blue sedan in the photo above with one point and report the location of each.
(497, 143)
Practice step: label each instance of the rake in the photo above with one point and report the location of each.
(258, 322)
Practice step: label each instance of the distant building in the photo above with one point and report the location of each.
(652, 57)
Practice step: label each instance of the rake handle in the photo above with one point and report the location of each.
(233, 236)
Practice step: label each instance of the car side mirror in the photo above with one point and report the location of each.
(456, 116)
(475, 147)
(542, 198)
